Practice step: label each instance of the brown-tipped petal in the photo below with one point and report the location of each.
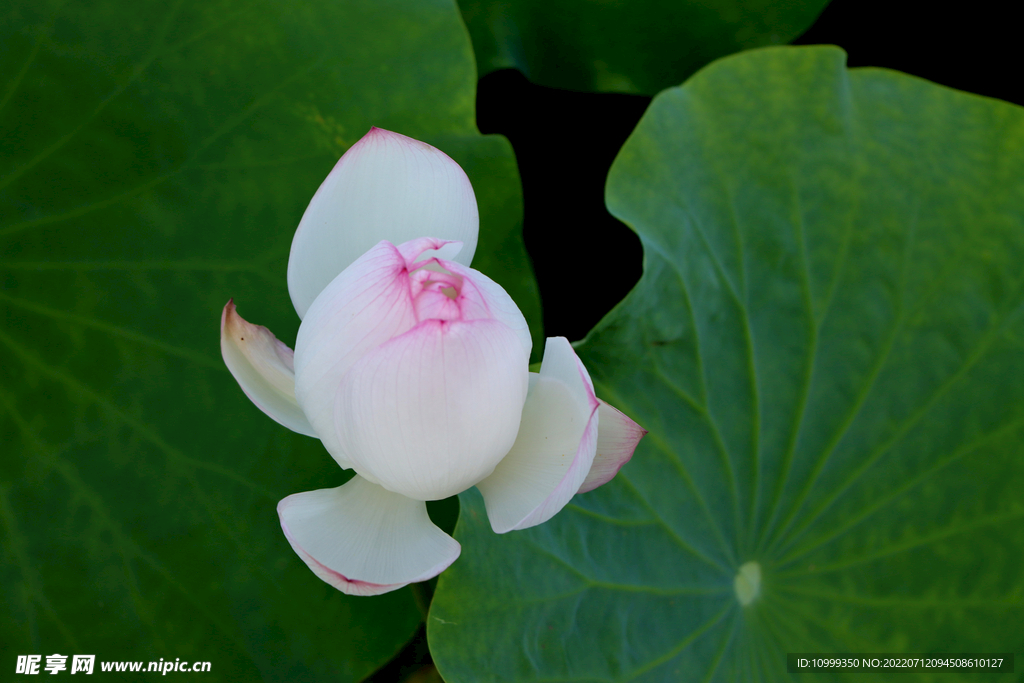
(365, 540)
(617, 437)
(262, 366)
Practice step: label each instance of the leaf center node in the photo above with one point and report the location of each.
(748, 583)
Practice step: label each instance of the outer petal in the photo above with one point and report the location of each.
(482, 297)
(365, 306)
(554, 449)
(617, 437)
(262, 366)
(386, 186)
(364, 540)
(432, 412)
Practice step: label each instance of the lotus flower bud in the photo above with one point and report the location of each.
(412, 369)
(414, 372)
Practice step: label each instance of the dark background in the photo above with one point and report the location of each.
(585, 260)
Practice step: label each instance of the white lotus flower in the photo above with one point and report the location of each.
(412, 369)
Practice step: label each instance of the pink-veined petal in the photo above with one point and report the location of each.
(424, 248)
(365, 306)
(262, 366)
(365, 540)
(554, 449)
(617, 437)
(431, 412)
(386, 187)
(482, 297)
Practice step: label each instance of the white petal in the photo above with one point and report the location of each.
(386, 187)
(262, 366)
(364, 540)
(554, 449)
(617, 437)
(482, 297)
(424, 247)
(432, 412)
(365, 306)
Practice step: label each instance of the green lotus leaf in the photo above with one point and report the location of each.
(641, 46)
(155, 161)
(827, 346)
